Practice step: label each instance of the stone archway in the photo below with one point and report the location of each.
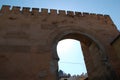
(95, 58)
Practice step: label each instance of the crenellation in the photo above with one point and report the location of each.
(93, 15)
(78, 14)
(70, 13)
(53, 11)
(15, 9)
(85, 14)
(44, 11)
(108, 19)
(5, 9)
(100, 16)
(26, 10)
(107, 16)
(62, 12)
(35, 11)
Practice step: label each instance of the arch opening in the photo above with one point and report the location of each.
(94, 56)
(71, 57)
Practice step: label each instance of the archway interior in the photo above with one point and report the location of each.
(93, 55)
(71, 57)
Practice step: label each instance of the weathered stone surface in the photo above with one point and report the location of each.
(28, 41)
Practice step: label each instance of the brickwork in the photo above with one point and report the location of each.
(28, 40)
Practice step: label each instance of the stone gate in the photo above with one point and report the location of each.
(28, 40)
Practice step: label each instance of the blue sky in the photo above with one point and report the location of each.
(109, 7)
(71, 57)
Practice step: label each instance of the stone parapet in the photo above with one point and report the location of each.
(26, 10)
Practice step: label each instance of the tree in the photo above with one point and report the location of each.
(61, 73)
(69, 75)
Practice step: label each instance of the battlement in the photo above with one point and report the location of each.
(25, 10)
(6, 9)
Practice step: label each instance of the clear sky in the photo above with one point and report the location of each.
(71, 57)
(110, 7)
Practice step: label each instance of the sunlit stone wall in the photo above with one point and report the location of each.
(28, 40)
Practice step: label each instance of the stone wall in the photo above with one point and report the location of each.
(28, 40)
(116, 44)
